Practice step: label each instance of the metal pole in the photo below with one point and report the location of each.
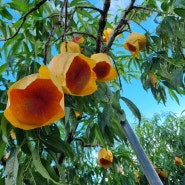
(148, 169)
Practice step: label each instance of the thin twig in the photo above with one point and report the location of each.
(85, 144)
(24, 17)
(65, 21)
(61, 12)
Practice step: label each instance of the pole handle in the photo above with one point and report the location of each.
(148, 169)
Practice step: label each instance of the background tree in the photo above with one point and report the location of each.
(30, 35)
(163, 140)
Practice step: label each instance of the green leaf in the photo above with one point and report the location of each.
(2, 106)
(83, 22)
(5, 13)
(103, 93)
(50, 169)
(117, 129)
(48, 8)
(116, 101)
(76, 2)
(91, 133)
(3, 29)
(21, 172)
(37, 178)
(39, 166)
(15, 46)
(61, 170)
(3, 68)
(132, 107)
(5, 129)
(99, 135)
(57, 145)
(164, 6)
(180, 90)
(103, 118)
(179, 4)
(173, 95)
(19, 6)
(180, 12)
(2, 181)
(2, 149)
(11, 170)
(109, 135)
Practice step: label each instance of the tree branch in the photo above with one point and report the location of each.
(85, 144)
(24, 17)
(48, 41)
(102, 23)
(120, 26)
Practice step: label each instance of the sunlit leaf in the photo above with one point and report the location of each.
(5, 13)
(16, 5)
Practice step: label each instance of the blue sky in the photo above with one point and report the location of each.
(146, 103)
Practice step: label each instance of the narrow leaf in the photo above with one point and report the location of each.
(3, 68)
(39, 166)
(5, 13)
(99, 135)
(173, 95)
(2, 148)
(132, 107)
(5, 130)
(57, 145)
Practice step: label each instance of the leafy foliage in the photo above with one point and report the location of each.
(163, 140)
(65, 152)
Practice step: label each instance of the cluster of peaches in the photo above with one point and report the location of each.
(38, 99)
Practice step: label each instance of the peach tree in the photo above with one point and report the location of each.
(63, 69)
